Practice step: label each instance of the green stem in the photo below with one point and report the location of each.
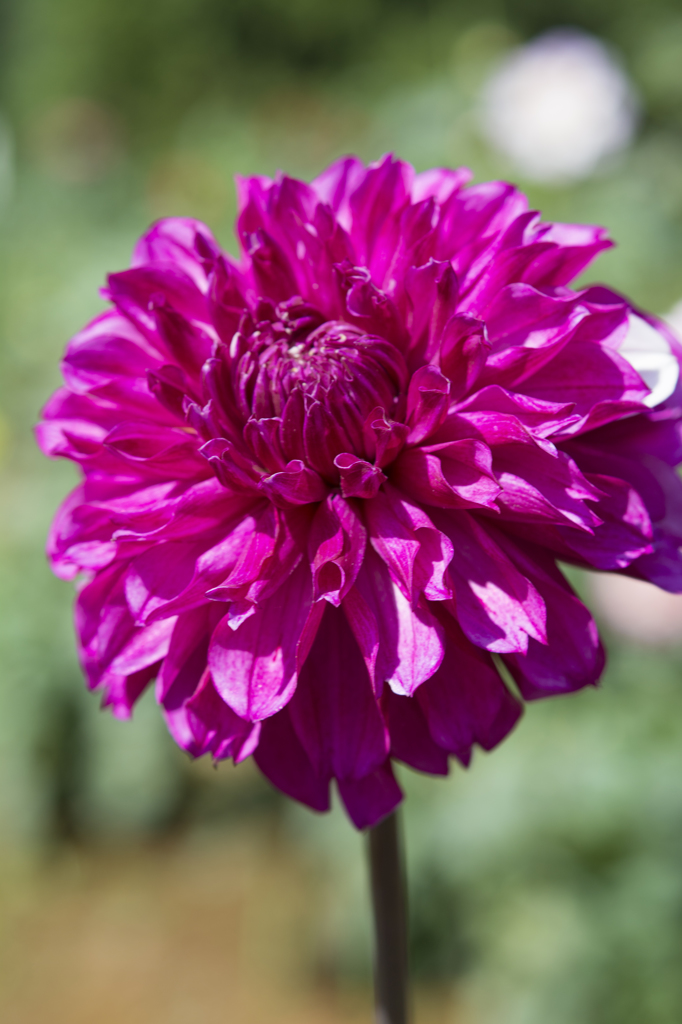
(390, 922)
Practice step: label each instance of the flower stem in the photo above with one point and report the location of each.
(390, 922)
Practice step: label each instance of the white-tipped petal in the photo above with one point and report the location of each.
(648, 352)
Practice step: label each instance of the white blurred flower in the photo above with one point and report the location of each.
(558, 105)
(638, 610)
(648, 352)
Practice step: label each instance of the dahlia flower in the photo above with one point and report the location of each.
(325, 486)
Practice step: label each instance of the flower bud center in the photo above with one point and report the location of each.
(320, 378)
(337, 363)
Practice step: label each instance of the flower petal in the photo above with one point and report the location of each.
(215, 726)
(416, 553)
(282, 759)
(174, 241)
(464, 349)
(294, 485)
(428, 399)
(359, 479)
(573, 656)
(372, 798)
(410, 645)
(455, 474)
(497, 606)
(336, 548)
(432, 291)
(411, 740)
(334, 710)
(465, 701)
(254, 666)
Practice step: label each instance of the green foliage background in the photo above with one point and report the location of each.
(547, 881)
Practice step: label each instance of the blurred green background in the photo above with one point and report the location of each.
(546, 882)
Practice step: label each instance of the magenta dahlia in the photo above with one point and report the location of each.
(325, 484)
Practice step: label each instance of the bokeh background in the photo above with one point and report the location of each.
(545, 882)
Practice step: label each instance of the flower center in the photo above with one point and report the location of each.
(321, 379)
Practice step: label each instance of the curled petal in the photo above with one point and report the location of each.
(170, 387)
(271, 269)
(233, 469)
(541, 418)
(663, 566)
(367, 305)
(538, 487)
(171, 511)
(263, 438)
(394, 541)
(336, 549)
(145, 647)
(103, 621)
(405, 244)
(255, 553)
(648, 351)
(471, 222)
(573, 247)
(294, 485)
(226, 297)
(186, 343)
(626, 531)
(79, 537)
(416, 553)
(428, 399)
(359, 479)
(168, 450)
(432, 294)
(464, 349)
(456, 474)
(161, 574)
(383, 438)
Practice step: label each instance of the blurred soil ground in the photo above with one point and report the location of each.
(221, 931)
